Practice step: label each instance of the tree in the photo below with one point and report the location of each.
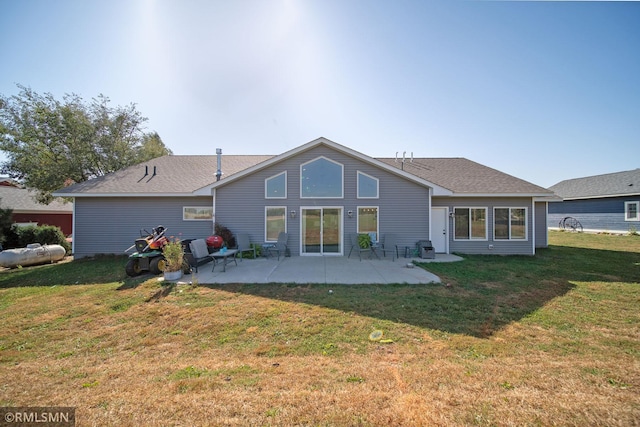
(6, 222)
(51, 144)
(152, 147)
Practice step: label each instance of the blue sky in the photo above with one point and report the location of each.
(544, 91)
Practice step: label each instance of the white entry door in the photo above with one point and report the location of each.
(439, 229)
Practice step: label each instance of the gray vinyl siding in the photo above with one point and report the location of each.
(500, 247)
(605, 214)
(403, 205)
(542, 234)
(109, 225)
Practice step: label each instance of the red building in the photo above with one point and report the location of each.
(26, 210)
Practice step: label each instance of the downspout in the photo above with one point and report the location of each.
(213, 205)
(73, 228)
(429, 213)
(533, 225)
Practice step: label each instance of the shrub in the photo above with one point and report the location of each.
(6, 222)
(19, 237)
(173, 255)
(226, 234)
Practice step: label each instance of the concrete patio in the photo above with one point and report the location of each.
(327, 269)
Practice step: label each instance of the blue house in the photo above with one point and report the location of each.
(601, 203)
(319, 193)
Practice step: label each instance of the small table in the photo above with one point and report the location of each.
(224, 255)
(265, 249)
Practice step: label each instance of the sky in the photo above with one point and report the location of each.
(541, 90)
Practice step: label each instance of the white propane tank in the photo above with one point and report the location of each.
(33, 254)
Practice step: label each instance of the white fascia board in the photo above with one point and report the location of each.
(601, 196)
(81, 195)
(501, 195)
(553, 198)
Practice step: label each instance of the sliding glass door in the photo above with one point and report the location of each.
(321, 231)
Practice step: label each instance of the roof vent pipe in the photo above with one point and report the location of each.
(219, 171)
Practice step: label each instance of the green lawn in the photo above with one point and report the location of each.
(546, 340)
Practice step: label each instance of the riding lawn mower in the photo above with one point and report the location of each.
(148, 255)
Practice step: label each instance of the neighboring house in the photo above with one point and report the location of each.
(26, 210)
(609, 202)
(318, 193)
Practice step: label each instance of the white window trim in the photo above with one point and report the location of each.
(377, 196)
(377, 208)
(526, 224)
(209, 208)
(266, 194)
(486, 224)
(342, 233)
(286, 225)
(626, 211)
(341, 178)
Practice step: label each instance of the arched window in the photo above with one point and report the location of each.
(321, 178)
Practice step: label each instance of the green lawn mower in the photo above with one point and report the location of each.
(148, 255)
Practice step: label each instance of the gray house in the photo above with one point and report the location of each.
(319, 193)
(609, 202)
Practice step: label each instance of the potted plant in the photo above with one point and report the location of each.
(174, 259)
(364, 240)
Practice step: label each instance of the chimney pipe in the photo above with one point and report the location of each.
(219, 171)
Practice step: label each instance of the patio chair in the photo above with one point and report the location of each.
(199, 253)
(281, 245)
(355, 244)
(390, 245)
(244, 245)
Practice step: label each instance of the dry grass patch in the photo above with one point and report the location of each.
(515, 341)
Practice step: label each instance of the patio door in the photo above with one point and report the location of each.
(321, 230)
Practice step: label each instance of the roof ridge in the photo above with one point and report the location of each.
(599, 175)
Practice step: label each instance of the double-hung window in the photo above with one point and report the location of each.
(631, 211)
(275, 221)
(368, 219)
(510, 223)
(470, 223)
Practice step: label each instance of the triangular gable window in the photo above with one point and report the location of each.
(367, 186)
(275, 187)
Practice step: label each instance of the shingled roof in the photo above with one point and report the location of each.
(185, 175)
(21, 200)
(464, 176)
(167, 175)
(626, 183)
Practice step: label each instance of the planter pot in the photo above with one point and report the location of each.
(172, 276)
